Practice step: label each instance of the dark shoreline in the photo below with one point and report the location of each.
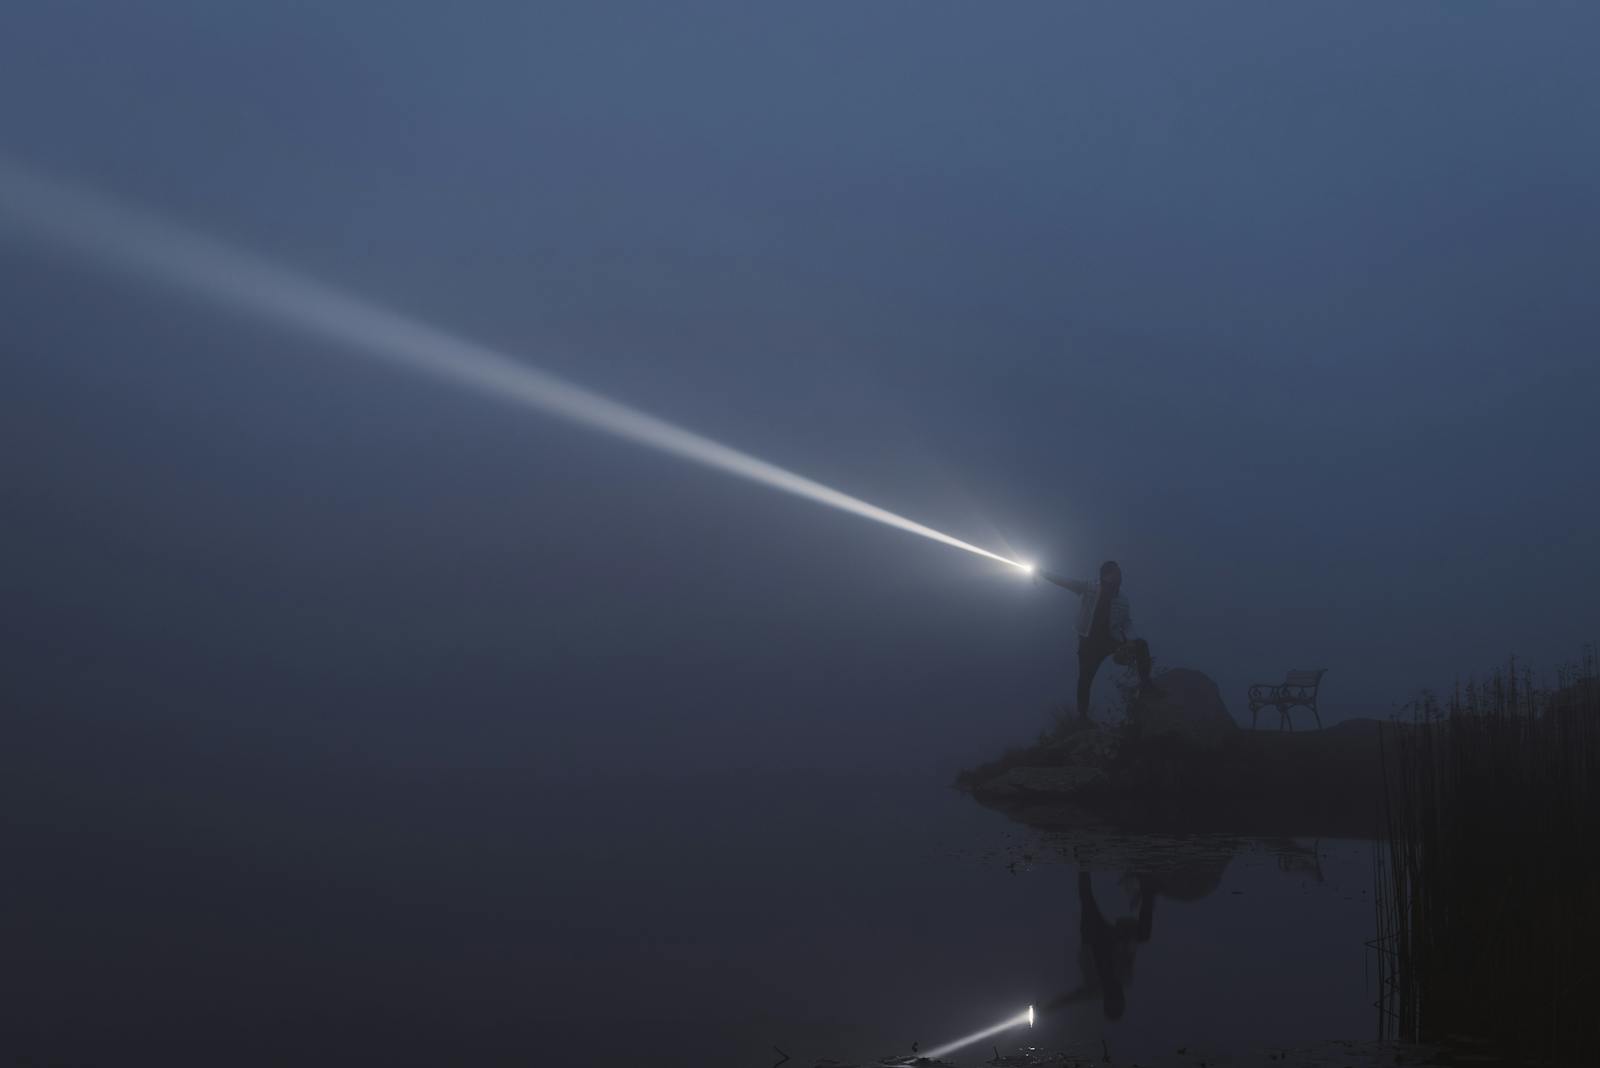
(1314, 783)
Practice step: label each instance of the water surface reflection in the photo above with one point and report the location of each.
(416, 918)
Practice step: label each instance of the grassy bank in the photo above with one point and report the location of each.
(1489, 872)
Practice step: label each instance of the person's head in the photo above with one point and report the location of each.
(1110, 575)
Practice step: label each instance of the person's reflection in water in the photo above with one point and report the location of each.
(1105, 951)
(1106, 947)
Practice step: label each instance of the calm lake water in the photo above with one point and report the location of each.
(410, 919)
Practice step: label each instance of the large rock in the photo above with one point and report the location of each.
(1191, 709)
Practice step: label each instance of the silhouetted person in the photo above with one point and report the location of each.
(1105, 628)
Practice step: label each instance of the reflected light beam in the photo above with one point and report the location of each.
(1025, 1017)
(150, 247)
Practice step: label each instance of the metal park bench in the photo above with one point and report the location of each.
(1297, 690)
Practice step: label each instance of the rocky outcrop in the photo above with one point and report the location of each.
(1041, 782)
(1181, 761)
(1085, 745)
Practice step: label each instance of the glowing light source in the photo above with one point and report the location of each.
(149, 247)
(1018, 1020)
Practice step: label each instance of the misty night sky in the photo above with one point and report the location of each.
(1290, 310)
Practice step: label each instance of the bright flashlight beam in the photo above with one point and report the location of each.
(150, 247)
(1018, 1020)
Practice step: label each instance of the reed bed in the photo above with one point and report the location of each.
(1488, 872)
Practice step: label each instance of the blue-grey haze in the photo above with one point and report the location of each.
(1289, 309)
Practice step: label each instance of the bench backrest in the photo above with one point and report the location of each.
(1304, 677)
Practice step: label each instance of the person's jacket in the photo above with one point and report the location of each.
(1121, 617)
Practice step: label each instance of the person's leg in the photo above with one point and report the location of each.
(1091, 923)
(1089, 659)
(1095, 933)
(1137, 653)
(1147, 906)
(1141, 656)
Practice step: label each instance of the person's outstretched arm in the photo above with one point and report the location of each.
(1077, 587)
